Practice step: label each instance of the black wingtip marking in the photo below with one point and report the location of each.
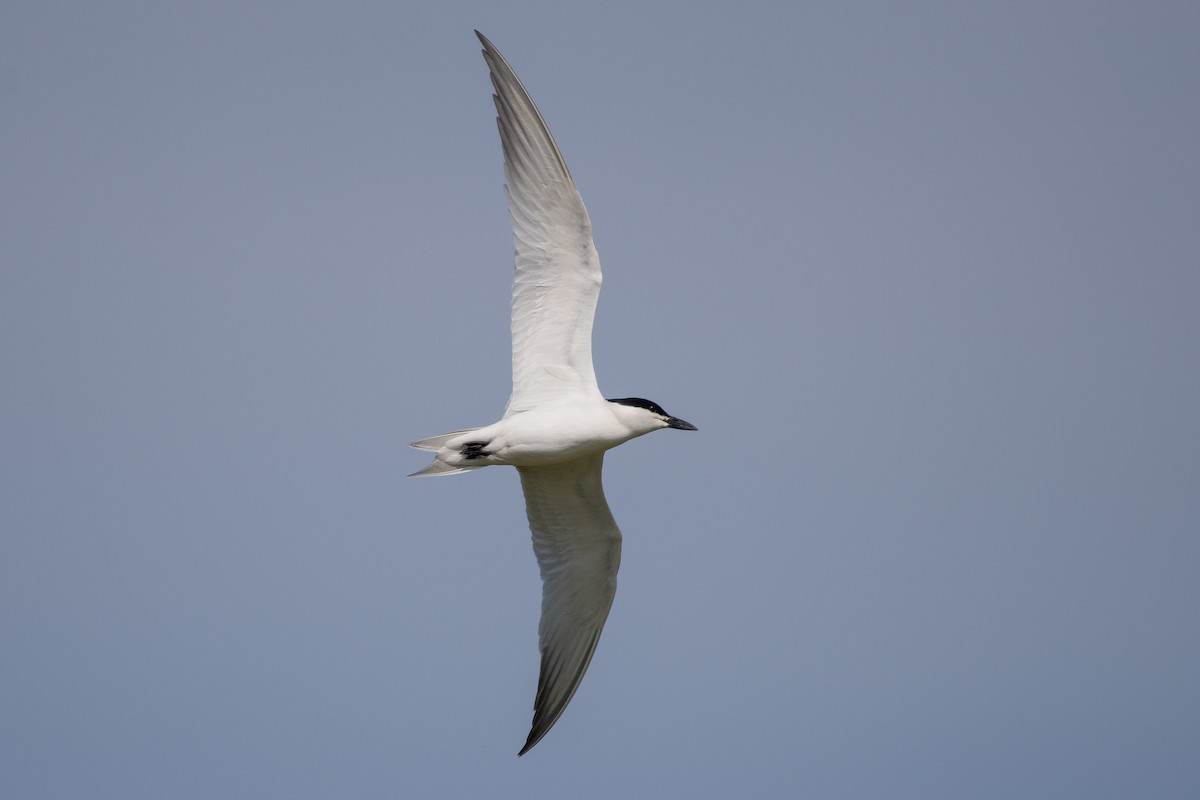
(546, 713)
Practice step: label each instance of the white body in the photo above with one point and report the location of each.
(548, 434)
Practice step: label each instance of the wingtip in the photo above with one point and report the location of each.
(530, 742)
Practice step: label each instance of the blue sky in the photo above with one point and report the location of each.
(925, 275)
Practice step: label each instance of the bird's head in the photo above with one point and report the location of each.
(643, 416)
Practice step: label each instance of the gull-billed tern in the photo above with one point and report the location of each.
(557, 424)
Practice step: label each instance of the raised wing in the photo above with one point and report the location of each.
(578, 548)
(557, 278)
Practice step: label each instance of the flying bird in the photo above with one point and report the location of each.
(557, 424)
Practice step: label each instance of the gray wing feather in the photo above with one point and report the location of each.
(578, 548)
(557, 280)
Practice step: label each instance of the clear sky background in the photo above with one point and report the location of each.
(926, 276)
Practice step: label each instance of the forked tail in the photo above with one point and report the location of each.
(439, 467)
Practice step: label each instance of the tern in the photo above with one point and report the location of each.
(557, 424)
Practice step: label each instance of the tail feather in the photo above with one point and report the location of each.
(441, 468)
(435, 443)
